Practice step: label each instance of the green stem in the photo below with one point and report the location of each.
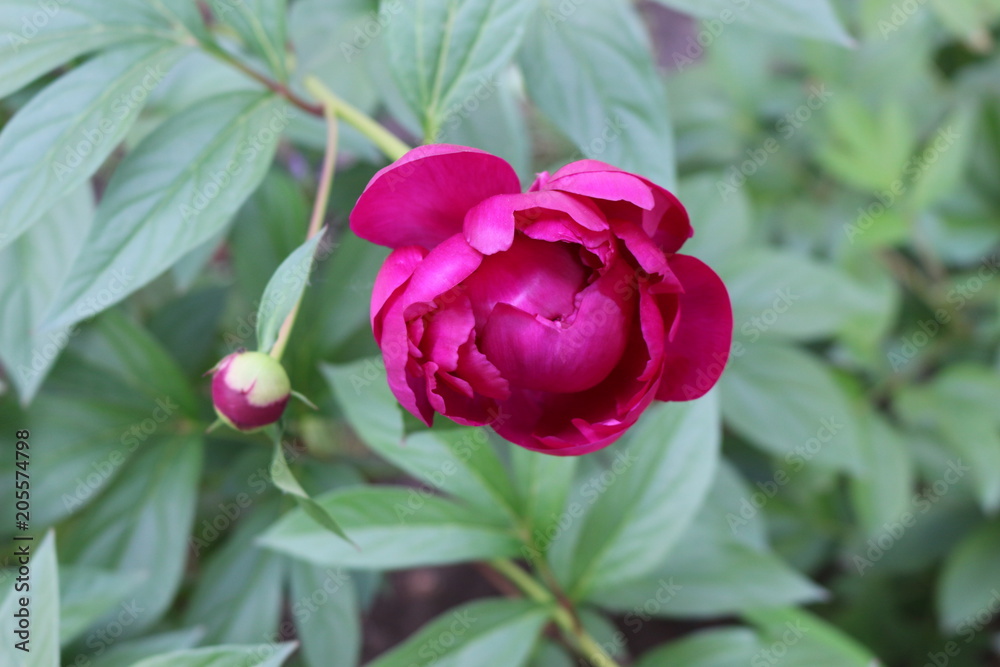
(584, 643)
(316, 221)
(386, 141)
(272, 85)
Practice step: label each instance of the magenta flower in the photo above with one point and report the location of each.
(556, 316)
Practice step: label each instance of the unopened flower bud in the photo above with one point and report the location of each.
(250, 390)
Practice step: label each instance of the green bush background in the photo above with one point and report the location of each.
(833, 502)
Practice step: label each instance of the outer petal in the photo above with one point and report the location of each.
(702, 333)
(440, 271)
(395, 271)
(422, 198)
(489, 226)
(630, 197)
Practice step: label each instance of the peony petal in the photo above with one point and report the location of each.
(422, 198)
(489, 226)
(537, 277)
(607, 185)
(395, 271)
(444, 267)
(661, 214)
(447, 330)
(649, 255)
(561, 357)
(697, 353)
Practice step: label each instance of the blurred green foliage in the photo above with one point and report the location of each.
(833, 502)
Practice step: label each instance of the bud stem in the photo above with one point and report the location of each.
(386, 141)
(319, 208)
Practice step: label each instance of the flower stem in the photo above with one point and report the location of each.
(386, 141)
(316, 221)
(582, 641)
(272, 85)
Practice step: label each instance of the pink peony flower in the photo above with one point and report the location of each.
(556, 316)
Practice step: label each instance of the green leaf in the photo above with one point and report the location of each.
(969, 588)
(332, 42)
(959, 406)
(369, 406)
(818, 19)
(866, 150)
(807, 640)
(473, 635)
(114, 390)
(724, 647)
(269, 227)
(327, 618)
(884, 493)
(263, 655)
(494, 122)
(87, 594)
(721, 224)
(283, 478)
(31, 271)
(721, 565)
(779, 294)
(71, 127)
(172, 193)
(42, 639)
(128, 653)
(39, 37)
(773, 384)
(395, 528)
(939, 171)
(141, 525)
(283, 292)
(133, 357)
(443, 52)
(591, 72)
(459, 461)
(238, 596)
(969, 19)
(543, 485)
(339, 305)
(655, 486)
(261, 26)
